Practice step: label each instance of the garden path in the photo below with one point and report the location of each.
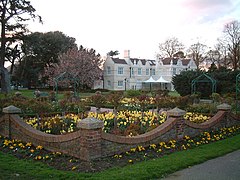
(221, 168)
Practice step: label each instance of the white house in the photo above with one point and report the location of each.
(134, 73)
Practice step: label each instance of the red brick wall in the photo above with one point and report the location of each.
(88, 144)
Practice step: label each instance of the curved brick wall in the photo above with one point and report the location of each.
(90, 142)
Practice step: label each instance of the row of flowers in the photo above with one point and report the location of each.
(126, 121)
(139, 153)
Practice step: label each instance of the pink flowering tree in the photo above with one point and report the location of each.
(83, 64)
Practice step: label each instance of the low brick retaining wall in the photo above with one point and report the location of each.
(90, 142)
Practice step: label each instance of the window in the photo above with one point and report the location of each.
(108, 70)
(174, 71)
(139, 71)
(132, 71)
(147, 71)
(153, 72)
(120, 83)
(120, 70)
(109, 83)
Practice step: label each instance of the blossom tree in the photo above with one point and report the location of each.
(82, 63)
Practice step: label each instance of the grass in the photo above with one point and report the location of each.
(13, 168)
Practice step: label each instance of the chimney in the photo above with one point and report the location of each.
(126, 54)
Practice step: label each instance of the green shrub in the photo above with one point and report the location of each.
(202, 108)
(132, 93)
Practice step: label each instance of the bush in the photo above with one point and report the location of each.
(132, 93)
(202, 108)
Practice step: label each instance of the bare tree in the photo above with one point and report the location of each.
(170, 47)
(197, 52)
(232, 38)
(222, 58)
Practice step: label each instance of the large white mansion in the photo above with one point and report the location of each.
(133, 73)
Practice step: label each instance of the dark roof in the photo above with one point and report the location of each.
(185, 62)
(167, 61)
(119, 61)
(144, 61)
(152, 62)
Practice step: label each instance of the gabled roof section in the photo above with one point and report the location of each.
(152, 62)
(143, 61)
(119, 61)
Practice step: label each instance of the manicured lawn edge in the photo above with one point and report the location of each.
(13, 168)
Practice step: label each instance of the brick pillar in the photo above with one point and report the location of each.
(178, 114)
(90, 141)
(8, 111)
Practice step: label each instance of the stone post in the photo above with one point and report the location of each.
(227, 108)
(8, 111)
(90, 141)
(178, 114)
(224, 107)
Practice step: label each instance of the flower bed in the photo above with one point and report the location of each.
(129, 123)
(25, 150)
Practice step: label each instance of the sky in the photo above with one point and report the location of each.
(135, 25)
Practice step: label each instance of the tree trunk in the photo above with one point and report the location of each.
(5, 80)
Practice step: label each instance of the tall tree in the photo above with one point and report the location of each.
(13, 14)
(197, 52)
(170, 47)
(232, 39)
(113, 53)
(84, 64)
(42, 50)
(222, 49)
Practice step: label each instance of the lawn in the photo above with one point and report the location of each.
(13, 168)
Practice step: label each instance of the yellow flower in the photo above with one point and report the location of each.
(29, 144)
(133, 149)
(32, 150)
(153, 146)
(39, 147)
(130, 161)
(73, 168)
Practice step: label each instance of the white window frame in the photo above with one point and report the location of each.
(108, 70)
(109, 83)
(139, 71)
(153, 72)
(147, 71)
(120, 83)
(120, 70)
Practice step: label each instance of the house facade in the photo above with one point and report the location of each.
(131, 73)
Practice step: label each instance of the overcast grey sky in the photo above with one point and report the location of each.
(137, 25)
